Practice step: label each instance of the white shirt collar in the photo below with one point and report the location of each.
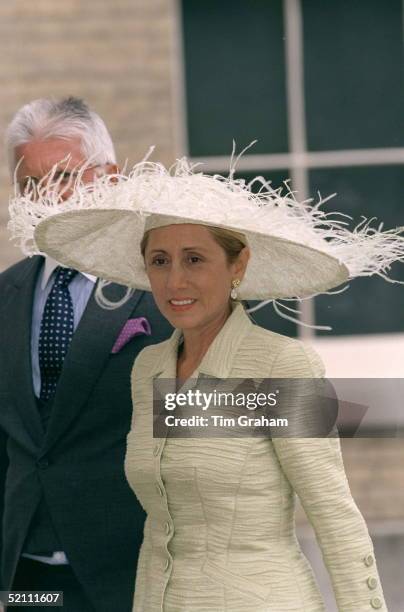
(50, 266)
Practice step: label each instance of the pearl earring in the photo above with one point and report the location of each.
(234, 284)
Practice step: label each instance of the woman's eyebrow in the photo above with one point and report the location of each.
(158, 251)
(194, 248)
(190, 248)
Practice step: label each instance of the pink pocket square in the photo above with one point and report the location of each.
(132, 328)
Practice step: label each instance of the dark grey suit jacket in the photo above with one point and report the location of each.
(78, 464)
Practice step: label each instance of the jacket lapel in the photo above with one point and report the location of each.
(16, 335)
(89, 350)
(216, 363)
(219, 358)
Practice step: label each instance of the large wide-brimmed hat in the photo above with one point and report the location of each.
(298, 249)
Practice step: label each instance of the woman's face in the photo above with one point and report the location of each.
(190, 275)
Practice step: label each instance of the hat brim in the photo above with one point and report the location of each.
(106, 243)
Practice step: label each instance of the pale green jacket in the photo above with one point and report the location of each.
(220, 531)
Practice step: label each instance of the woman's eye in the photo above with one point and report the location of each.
(194, 259)
(159, 261)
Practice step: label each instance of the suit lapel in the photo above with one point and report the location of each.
(89, 350)
(16, 336)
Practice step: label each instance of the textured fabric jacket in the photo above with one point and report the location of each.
(76, 466)
(220, 534)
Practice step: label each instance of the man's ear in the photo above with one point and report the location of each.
(104, 169)
(111, 169)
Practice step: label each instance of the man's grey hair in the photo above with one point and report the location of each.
(67, 118)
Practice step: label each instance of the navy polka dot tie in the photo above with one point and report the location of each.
(57, 327)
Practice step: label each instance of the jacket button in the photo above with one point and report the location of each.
(167, 528)
(43, 463)
(376, 603)
(368, 560)
(371, 582)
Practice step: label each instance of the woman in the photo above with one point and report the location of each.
(220, 533)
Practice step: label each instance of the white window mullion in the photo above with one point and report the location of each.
(178, 86)
(294, 48)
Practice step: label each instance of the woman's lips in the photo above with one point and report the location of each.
(181, 305)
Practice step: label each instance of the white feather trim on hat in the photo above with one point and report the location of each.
(297, 249)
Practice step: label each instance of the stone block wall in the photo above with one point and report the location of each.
(117, 55)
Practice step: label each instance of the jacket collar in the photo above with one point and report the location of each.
(219, 358)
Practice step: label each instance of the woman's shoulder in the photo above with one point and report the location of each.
(281, 355)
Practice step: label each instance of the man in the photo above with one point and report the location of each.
(70, 520)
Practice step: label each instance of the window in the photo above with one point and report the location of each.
(320, 84)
